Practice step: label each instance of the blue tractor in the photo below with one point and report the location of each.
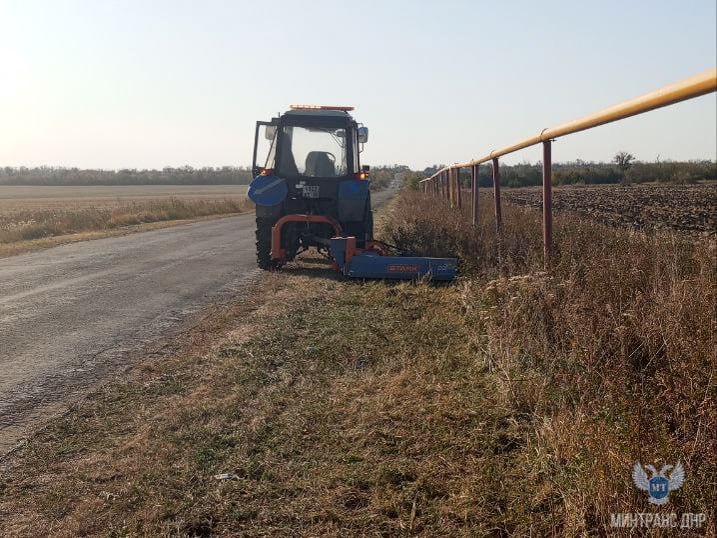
(310, 186)
(310, 190)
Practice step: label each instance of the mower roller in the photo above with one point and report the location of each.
(312, 192)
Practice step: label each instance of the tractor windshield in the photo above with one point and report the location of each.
(313, 152)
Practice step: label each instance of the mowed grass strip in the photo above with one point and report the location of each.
(335, 408)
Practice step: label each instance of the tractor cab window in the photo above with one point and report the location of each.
(313, 152)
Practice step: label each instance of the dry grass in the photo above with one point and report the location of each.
(610, 357)
(32, 219)
(502, 405)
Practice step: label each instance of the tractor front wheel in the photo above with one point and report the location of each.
(263, 244)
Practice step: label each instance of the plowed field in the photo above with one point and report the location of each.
(685, 208)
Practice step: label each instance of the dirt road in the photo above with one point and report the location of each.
(75, 315)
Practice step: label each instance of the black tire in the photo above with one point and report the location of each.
(368, 221)
(263, 244)
(362, 231)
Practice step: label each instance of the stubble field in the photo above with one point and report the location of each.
(37, 212)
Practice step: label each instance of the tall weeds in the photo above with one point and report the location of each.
(609, 356)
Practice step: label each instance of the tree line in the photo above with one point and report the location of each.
(380, 176)
(623, 169)
(185, 175)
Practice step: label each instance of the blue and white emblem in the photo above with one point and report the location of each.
(658, 486)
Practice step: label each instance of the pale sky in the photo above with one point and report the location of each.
(148, 84)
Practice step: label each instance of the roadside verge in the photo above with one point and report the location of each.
(499, 405)
(324, 407)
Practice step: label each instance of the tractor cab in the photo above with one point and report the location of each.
(311, 142)
(307, 165)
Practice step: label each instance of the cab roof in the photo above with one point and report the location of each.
(318, 113)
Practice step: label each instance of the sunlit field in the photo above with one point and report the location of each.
(35, 212)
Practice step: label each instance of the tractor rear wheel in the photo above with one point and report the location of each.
(368, 222)
(363, 230)
(263, 244)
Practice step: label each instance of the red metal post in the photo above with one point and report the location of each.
(449, 188)
(496, 193)
(474, 193)
(452, 186)
(449, 181)
(547, 202)
(459, 202)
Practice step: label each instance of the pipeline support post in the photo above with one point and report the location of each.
(496, 194)
(474, 194)
(547, 202)
(452, 181)
(459, 201)
(452, 187)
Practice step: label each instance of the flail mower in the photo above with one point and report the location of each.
(311, 191)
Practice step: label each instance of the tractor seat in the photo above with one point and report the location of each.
(319, 164)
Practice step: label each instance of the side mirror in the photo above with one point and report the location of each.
(362, 135)
(270, 132)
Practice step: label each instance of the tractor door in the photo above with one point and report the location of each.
(265, 138)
